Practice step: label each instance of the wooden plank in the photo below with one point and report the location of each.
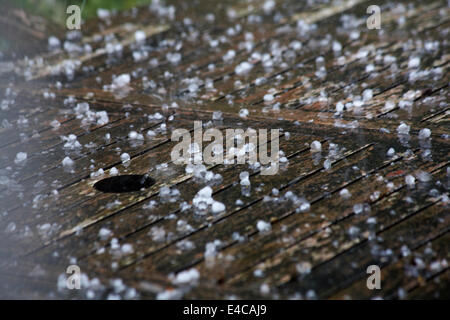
(319, 244)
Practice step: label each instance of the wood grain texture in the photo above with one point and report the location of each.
(51, 216)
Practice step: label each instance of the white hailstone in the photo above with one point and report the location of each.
(327, 164)
(113, 171)
(125, 157)
(287, 135)
(260, 81)
(387, 59)
(214, 43)
(55, 124)
(107, 136)
(151, 134)
(217, 116)
(20, 157)
(244, 177)
(206, 192)
(54, 42)
(268, 6)
(164, 191)
(170, 294)
(258, 273)
(126, 248)
(263, 226)
(229, 55)
(104, 233)
(424, 133)
(158, 234)
(295, 45)
(103, 13)
(303, 268)
(357, 103)
(243, 113)
(111, 48)
(139, 36)
(410, 180)
(81, 108)
(243, 68)
(114, 244)
(337, 46)
(264, 289)
(353, 231)
(316, 146)
(102, 118)
(391, 152)
(67, 162)
(11, 227)
(358, 208)
(367, 94)
(414, 62)
(403, 128)
(203, 199)
(6, 124)
(121, 81)
(423, 176)
(187, 276)
(217, 207)
(345, 194)
(320, 62)
(370, 68)
(211, 249)
(339, 107)
(97, 173)
(155, 116)
(268, 97)
(139, 55)
(173, 58)
(133, 135)
(304, 206)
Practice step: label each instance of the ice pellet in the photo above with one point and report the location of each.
(391, 152)
(410, 180)
(424, 133)
(139, 36)
(67, 162)
(125, 157)
(20, 157)
(263, 226)
(403, 128)
(316, 146)
(217, 207)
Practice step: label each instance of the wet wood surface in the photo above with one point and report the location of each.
(305, 59)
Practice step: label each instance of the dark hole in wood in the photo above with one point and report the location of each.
(124, 183)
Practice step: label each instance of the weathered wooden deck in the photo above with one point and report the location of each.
(51, 216)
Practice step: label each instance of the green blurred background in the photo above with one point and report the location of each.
(55, 10)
